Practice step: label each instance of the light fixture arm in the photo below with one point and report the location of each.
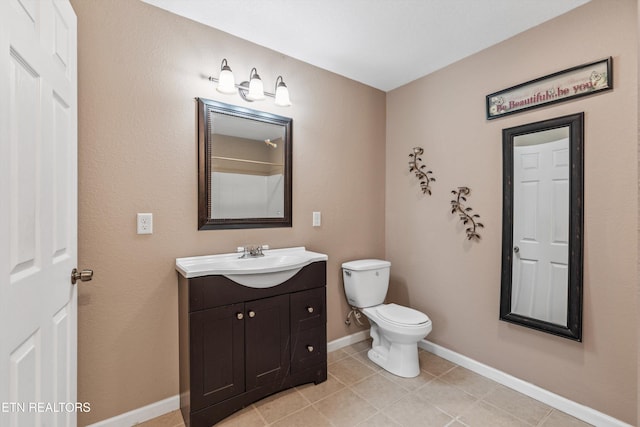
(243, 88)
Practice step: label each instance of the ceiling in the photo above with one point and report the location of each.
(381, 43)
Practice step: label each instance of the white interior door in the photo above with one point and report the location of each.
(541, 231)
(38, 213)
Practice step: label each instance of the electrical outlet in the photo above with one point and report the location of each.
(145, 223)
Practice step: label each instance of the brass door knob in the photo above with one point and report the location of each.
(310, 348)
(239, 316)
(310, 309)
(83, 276)
(252, 313)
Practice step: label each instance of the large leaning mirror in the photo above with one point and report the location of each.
(542, 236)
(244, 167)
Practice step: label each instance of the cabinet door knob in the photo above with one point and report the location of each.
(310, 348)
(310, 309)
(252, 313)
(239, 316)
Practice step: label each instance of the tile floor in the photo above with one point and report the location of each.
(359, 393)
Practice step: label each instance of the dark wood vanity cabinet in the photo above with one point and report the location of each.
(240, 344)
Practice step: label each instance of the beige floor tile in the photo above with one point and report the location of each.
(379, 391)
(409, 383)
(378, 420)
(314, 392)
(433, 364)
(349, 370)
(172, 419)
(307, 417)
(413, 411)
(446, 397)
(560, 419)
(247, 417)
(336, 355)
(344, 408)
(281, 404)
(363, 358)
(469, 381)
(482, 414)
(358, 347)
(517, 404)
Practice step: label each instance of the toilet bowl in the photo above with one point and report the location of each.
(395, 329)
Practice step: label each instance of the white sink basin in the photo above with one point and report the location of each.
(272, 269)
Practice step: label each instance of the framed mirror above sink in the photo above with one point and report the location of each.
(244, 167)
(542, 234)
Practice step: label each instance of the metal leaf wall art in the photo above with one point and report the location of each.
(466, 214)
(423, 176)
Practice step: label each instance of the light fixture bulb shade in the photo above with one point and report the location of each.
(282, 95)
(226, 81)
(256, 87)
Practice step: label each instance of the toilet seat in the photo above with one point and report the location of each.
(402, 316)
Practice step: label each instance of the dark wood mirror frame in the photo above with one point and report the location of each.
(573, 329)
(205, 221)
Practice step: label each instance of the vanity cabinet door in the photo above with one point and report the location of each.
(217, 354)
(266, 340)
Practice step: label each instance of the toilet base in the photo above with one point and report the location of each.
(399, 359)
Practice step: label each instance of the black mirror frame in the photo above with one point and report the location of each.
(205, 221)
(573, 330)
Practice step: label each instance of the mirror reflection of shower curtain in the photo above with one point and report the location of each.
(541, 231)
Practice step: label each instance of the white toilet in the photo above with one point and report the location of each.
(395, 329)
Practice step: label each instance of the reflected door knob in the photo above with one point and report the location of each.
(310, 348)
(83, 276)
(310, 309)
(239, 316)
(252, 313)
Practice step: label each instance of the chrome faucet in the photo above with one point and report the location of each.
(252, 251)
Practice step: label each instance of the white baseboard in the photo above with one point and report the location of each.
(143, 414)
(572, 408)
(347, 341)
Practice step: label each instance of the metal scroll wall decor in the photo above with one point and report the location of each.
(425, 178)
(466, 214)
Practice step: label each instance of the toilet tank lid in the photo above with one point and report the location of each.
(366, 264)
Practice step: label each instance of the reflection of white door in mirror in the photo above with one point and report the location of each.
(541, 229)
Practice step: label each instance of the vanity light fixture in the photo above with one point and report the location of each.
(282, 93)
(252, 90)
(226, 82)
(256, 88)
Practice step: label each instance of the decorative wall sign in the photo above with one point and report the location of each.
(422, 175)
(465, 214)
(571, 83)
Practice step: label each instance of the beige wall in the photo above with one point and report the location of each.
(457, 283)
(140, 69)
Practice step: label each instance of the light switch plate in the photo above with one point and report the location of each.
(317, 219)
(145, 223)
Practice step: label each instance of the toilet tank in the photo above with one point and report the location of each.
(366, 281)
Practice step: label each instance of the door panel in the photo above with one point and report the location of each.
(265, 361)
(541, 231)
(217, 356)
(38, 221)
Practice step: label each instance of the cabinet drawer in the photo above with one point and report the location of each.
(309, 349)
(307, 310)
